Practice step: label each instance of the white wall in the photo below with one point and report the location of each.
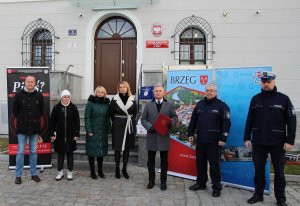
(243, 38)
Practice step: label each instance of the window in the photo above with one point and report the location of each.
(116, 28)
(38, 44)
(42, 48)
(193, 42)
(192, 47)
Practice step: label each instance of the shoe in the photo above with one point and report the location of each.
(282, 203)
(125, 174)
(18, 180)
(216, 193)
(60, 175)
(118, 175)
(35, 178)
(197, 186)
(256, 198)
(69, 175)
(94, 176)
(100, 173)
(150, 184)
(163, 186)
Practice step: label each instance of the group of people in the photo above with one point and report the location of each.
(270, 129)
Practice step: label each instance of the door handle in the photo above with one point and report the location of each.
(123, 61)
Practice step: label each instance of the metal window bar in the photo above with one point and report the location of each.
(38, 44)
(196, 23)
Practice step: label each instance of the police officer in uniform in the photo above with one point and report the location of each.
(272, 123)
(211, 120)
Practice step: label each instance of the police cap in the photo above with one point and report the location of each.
(267, 76)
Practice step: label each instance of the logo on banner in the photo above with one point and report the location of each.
(257, 77)
(157, 29)
(203, 79)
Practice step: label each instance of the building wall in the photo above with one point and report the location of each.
(243, 37)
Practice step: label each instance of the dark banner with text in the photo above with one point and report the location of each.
(15, 83)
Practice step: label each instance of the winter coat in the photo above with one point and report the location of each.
(271, 119)
(97, 122)
(65, 123)
(28, 109)
(156, 142)
(211, 120)
(119, 118)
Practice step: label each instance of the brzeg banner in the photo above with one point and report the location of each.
(184, 89)
(236, 86)
(15, 82)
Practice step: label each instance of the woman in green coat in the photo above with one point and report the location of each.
(97, 125)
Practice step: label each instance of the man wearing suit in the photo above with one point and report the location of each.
(156, 142)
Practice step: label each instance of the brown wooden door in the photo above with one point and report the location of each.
(129, 63)
(110, 68)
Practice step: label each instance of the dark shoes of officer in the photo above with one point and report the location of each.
(35, 178)
(197, 186)
(216, 193)
(150, 184)
(163, 186)
(18, 180)
(282, 203)
(256, 198)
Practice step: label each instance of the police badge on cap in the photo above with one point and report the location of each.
(267, 76)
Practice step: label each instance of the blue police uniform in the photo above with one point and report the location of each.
(211, 120)
(271, 122)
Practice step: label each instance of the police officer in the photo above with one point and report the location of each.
(272, 122)
(211, 119)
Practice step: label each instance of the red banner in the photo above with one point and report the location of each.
(41, 148)
(182, 159)
(157, 44)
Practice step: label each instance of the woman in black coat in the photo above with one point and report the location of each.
(123, 110)
(64, 131)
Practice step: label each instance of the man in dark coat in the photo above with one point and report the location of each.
(64, 131)
(271, 126)
(156, 142)
(211, 119)
(28, 108)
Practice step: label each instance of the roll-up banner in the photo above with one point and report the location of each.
(184, 88)
(236, 86)
(15, 82)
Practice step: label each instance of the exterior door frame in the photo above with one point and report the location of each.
(89, 51)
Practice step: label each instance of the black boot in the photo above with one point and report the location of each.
(92, 168)
(117, 160)
(125, 161)
(100, 163)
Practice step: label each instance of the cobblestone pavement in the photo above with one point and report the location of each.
(84, 191)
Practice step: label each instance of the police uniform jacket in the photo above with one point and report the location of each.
(28, 109)
(211, 120)
(271, 119)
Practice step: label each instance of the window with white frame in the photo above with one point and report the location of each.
(193, 42)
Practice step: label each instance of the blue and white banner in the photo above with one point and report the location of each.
(236, 86)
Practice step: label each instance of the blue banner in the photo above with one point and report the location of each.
(236, 86)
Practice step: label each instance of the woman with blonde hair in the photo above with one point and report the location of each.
(123, 110)
(97, 125)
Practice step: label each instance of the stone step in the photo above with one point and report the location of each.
(81, 156)
(81, 145)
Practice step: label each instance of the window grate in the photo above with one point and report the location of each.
(193, 41)
(38, 44)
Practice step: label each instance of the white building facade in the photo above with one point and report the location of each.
(107, 41)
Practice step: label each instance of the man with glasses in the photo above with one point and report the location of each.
(211, 120)
(28, 108)
(270, 128)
